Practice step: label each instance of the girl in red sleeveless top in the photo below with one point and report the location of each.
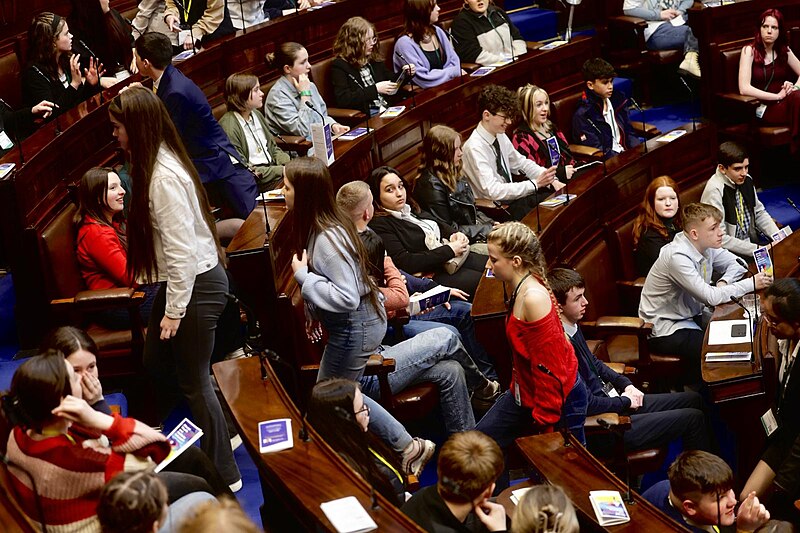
(545, 368)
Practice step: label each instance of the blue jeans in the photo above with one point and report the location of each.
(669, 37)
(437, 356)
(459, 317)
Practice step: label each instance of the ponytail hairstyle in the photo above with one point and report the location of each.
(332, 414)
(284, 56)
(132, 502)
(93, 198)
(517, 239)
(438, 154)
(42, 51)
(148, 126)
(315, 210)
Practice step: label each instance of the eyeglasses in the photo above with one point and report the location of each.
(770, 321)
(505, 118)
(364, 409)
(371, 40)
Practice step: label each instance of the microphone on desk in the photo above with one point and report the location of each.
(405, 61)
(564, 431)
(691, 101)
(738, 301)
(272, 357)
(536, 193)
(14, 134)
(56, 115)
(603, 423)
(602, 143)
(791, 203)
(644, 121)
(502, 21)
(499, 206)
(311, 106)
(366, 103)
(744, 265)
(453, 42)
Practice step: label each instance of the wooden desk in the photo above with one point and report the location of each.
(295, 481)
(577, 472)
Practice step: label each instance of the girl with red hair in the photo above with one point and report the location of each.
(658, 221)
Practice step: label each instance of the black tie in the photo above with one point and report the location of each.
(501, 168)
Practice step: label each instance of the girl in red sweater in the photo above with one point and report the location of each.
(546, 389)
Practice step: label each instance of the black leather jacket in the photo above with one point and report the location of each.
(455, 210)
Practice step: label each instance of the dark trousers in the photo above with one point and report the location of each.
(467, 277)
(180, 366)
(688, 345)
(661, 419)
(193, 471)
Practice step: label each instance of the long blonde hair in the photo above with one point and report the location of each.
(438, 153)
(527, 99)
(517, 239)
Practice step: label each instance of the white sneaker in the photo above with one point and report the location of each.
(690, 64)
(416, 455)
(236, 487)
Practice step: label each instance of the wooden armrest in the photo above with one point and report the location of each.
(647, 130)
(101, 299)
(470, 67)
(621, 368)
(412, 483)
(594, 421)
(533, 45)
(750, 100)
(631, 322)
(337, 112)
(379, 365)
(623, 21)
(637, 283)
(585, 152)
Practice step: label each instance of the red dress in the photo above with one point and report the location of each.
(545, 342)
(103, 260)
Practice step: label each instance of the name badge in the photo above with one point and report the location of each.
(760, 110)
(609, 390)
(769, 422)
(5, 142)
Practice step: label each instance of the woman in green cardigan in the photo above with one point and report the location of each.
(248, 131)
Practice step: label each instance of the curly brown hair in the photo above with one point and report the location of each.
(351, 45)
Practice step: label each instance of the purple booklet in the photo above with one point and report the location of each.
(184, 435)
(275, 435)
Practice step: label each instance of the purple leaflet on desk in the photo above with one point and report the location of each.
(275, 435)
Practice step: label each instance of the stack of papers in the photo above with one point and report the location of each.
(348, 516)
(609, 507)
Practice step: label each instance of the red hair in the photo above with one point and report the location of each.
(647, 217)
(781, 45)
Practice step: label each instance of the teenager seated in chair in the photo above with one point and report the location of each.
(338, 412)
(699, 496)
(544, 508)
(546, 388)
(330, 266)
(102, 244)
(657, 223)
(246, 127)
(537, 137)
(601, 120)
(656, 419)
(484, 34)
(468, 466)
(287, 107)
(442, 190)
(731, 190)
(777, 475)
(416, 242)
(490, 158)
(678, 286)
(767, 67)
(61, 451)
(424, 47)
(359, 74)
(355, 199)
(137, 502)
(668, 29)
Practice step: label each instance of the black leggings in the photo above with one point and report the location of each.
(192, 471)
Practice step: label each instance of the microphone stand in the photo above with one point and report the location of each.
(536, 193)
(244, 25)
(410, 80)
(791, 203)
(56, 115)
(454, 41)
(691, 101)
(499, 206)
(366, 103)
(753, 325)
(602, 143)
(564, 432)
(744, 265)
(628, 491)
(310, 105)
(510, 37)
(644, 122)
